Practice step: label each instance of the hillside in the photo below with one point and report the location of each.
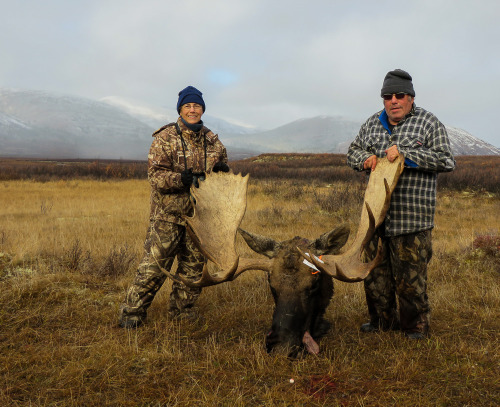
(42, 124)
(333, 134)
(47, 125)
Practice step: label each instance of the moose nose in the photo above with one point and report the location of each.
(283, 341)
(278, 338)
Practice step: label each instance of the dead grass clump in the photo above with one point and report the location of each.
(274, 215)
(117, 263)
(75, 258)
(341, 196)
(484, 255)
(270, 188)
(294, 191)
(5, 261)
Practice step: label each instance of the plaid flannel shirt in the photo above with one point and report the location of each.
(423, 141)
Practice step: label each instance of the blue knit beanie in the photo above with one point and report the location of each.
(190, 95)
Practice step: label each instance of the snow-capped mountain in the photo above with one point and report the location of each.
(325, 134)
(463, 143)
(43, 124)
(48, 125)
(334, 134)
(153, 116)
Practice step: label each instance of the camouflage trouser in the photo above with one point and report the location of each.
(164, 241)
(403, 272)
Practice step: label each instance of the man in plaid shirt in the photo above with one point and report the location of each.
(402, 128)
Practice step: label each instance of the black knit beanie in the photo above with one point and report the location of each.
(397, 81)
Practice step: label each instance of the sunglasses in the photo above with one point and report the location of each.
(398, 96)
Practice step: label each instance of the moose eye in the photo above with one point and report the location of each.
(315, 285)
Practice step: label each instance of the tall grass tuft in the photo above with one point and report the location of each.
(119, 262)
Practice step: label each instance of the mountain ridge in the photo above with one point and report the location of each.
(41, 124)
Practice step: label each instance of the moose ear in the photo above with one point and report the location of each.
(260, 244)
(331, 242)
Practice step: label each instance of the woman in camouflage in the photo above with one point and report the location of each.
(180, 155)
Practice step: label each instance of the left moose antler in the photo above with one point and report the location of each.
(220, 203)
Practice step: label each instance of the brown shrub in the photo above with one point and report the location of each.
(118, 263)
(487, 244)
(472, 172)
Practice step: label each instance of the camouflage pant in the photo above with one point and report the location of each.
(164, 241)
(403, 272)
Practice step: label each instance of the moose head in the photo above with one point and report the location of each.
(301, 292)
(300, 271)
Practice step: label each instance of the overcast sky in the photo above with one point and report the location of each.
(259, 62)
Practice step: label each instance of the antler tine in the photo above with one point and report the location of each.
(363, 270)
(197, 242)
(207, 279)
(371, 225)
(387, 201)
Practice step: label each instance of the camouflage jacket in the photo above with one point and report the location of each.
(169, 155)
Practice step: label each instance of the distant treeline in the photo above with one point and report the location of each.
(48, 170)
(472, 172)
(475, 173)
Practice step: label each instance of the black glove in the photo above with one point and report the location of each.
(220, 166)
(198, 176)
(187, 177)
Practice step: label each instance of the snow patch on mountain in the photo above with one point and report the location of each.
(6, 120)
(159, 116)
(464, 143)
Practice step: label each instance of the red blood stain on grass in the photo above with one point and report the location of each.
(320, 386)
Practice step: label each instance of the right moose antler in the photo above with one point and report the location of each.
(348, 266)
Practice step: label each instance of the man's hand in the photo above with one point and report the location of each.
(370, 163)
(392, 153)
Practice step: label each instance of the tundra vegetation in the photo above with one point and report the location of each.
(70, 239)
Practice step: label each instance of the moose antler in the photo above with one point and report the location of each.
(348, 266)
(220, 203)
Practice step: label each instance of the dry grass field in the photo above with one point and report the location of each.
(69, 248)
